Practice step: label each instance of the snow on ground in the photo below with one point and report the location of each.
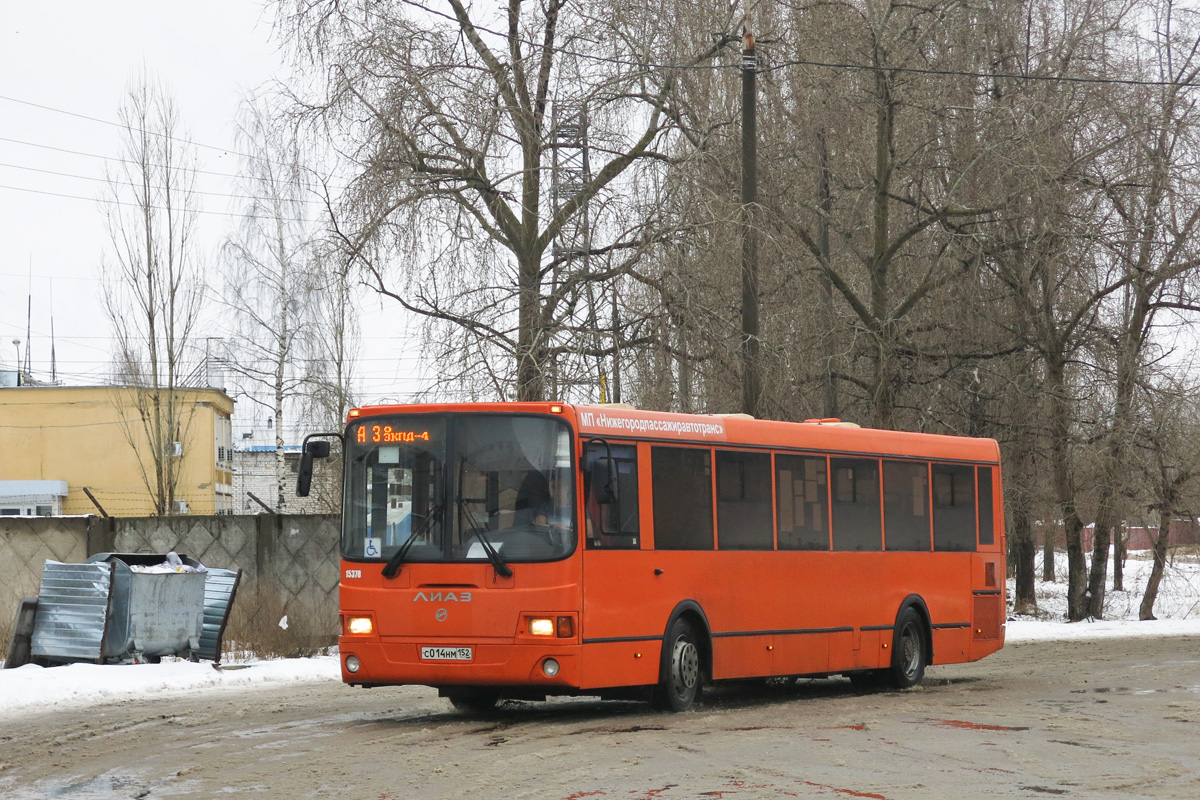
(32, 689)
(1177, 606)
(1178, 593)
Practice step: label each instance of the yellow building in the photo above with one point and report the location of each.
(92, 438)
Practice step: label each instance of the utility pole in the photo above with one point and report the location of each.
(751, 367)
(826, 202)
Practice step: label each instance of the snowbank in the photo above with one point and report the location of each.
(33, 688)
(1035, 630)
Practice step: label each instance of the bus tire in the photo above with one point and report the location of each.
(475, 702)
(680, 672)
(909, 648)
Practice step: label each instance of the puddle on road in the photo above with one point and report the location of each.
(977, 726)
(1126, 690)
(109, 786)
(732, 789)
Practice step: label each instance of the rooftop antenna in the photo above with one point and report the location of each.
(29, 324)
(53, 361)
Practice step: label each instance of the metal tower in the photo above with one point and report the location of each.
(572, 172)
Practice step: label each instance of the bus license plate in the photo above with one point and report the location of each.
(446, 654)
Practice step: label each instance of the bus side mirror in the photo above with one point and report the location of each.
(603, 480)
(304, 473)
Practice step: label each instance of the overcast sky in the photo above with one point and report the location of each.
(64, 69)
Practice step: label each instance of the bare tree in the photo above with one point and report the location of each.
(1042, 243)
(152, 281)
(443, 118)
(1153, 185)
(1170, 461)
(271, 284)
(333, 362)
(889, 175)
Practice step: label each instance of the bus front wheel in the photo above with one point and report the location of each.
(679, 681)
(909, 648)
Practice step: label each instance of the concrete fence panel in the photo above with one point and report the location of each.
(25, 544)
(290, 561)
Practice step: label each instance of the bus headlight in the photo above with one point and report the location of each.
(352, 664)
(549, 666)
(541, 627)
(361, 626)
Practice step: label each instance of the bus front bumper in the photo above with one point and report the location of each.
(404, 660)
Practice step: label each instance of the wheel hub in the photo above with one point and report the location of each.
(685, 666)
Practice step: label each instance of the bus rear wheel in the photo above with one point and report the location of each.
(909, 649)
(679, 681)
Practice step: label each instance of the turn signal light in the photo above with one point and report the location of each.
(361, 626)
(563, 626)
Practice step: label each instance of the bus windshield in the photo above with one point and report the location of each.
(451, 487)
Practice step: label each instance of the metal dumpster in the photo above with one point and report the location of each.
(106, 610)
(152, 614)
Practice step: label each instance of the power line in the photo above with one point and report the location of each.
(119, 159)
(122, 126)
(109, 181)
(56, 278)
(981, 75)
(805, 62)
(106, 158)
(374, 337)
(153, 207)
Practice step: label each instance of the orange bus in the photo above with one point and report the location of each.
(519, 550)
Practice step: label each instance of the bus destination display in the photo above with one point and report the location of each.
(387, 434)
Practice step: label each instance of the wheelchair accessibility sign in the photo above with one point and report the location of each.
(373, 548)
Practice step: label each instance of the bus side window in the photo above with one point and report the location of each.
(681, 480)
(802, 505)
(613, 525)
(954, 507)
(856, 519)
(987, 522)
(744, 501)
(906, 505)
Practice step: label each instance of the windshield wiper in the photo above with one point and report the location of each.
(488, 548)
(392, 567)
